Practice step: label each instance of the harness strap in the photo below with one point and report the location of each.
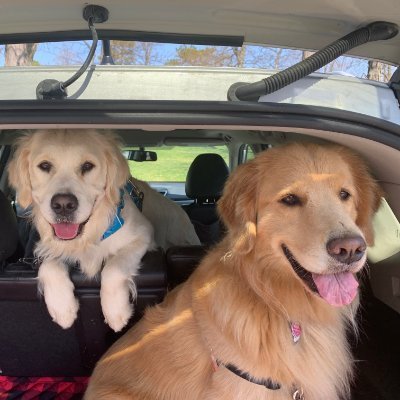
(137, 197)
(134, 192)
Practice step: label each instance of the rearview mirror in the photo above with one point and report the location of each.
(140, 155)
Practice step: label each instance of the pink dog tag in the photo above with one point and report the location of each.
(295, 329)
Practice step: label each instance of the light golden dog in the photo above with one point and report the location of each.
(265, 314)
(74, 180)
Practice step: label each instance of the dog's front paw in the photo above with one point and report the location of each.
(63, 308)
(116, 321)
(116, 308)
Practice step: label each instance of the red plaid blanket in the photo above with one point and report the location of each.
(22, 388)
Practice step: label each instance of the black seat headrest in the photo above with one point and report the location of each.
(8, 229)
(206, 177)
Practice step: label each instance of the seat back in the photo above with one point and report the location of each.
(181, 262)
(33, 345)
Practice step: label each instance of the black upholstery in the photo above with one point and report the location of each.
(8, 229)
(204, 184)
(33, 345)
(28, 236)
(206, 177)
(181, 262)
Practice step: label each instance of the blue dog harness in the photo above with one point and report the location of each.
(137, 197)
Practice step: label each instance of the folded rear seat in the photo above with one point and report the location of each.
(8, 229)
(33, 345)
(182, 261)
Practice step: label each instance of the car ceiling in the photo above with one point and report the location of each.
(306, 24)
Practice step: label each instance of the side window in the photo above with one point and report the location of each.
(172, 162)
(250, 154)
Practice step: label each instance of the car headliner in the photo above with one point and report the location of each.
(307, 24)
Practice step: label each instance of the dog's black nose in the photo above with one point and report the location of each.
(64, 204)
(347, 249)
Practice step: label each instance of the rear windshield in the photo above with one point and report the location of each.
(167, 71)
(169, 54)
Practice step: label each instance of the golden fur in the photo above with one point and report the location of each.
(98, 193)
(238, 304)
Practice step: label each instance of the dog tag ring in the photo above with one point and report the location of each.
(298, 394)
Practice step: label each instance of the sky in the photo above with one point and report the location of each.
(54, 53)
(73, 53)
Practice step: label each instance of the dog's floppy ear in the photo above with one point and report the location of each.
(117, 168)
(369, 194)
(18, 172)
(238, 205)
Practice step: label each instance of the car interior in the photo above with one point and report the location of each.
(33, 345)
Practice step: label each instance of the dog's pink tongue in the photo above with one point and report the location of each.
(66, 230)
(337, 289)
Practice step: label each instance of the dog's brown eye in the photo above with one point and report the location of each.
(291, 200)
(344, 194)
(45, 166)
(86, 167)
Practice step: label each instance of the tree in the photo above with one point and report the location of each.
(271, 57)
(68, 54)
(378, 71)
(306, 54)
(19, 54)
(147, 53)
(238, 56)
(194, 56)
(213, 56)
(123, 52)
(134, 53)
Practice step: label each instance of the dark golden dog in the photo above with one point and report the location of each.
(265, 314)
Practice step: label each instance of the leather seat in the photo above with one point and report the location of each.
(33, 345)
(8, 229)
(205, 181)
(181, 262)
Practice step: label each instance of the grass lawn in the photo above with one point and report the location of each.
(172, 162)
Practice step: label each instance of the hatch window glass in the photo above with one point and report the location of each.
(135, 53)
